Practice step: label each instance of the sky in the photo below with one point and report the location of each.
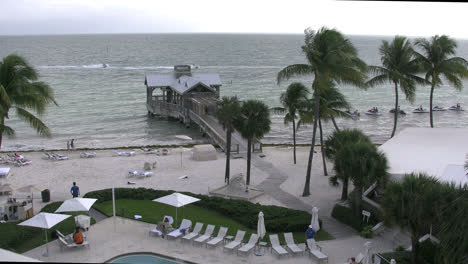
(37, 17)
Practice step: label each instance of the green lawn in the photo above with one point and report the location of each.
(153, 212)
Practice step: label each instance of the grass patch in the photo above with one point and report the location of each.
(153, 212)
(20, 239)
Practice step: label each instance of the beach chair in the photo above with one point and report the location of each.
(58, 156)
(195, 232)
(159, 228)
(207, 235)
(249, 246)
(150, 151)
(236, 242)
(69, 244)
(316, 251)
(141, 174)
(288, 237)
(220, 237)
(124, 153)
(46, 155)
(87, 154)
(275, 245)
(184, 226)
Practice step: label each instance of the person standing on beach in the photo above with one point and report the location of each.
(75, 190)
(72, 145)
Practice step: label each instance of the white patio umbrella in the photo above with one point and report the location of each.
(76, 204)
(44, 221)
(177, 200)
(367, 256)
(315, 219)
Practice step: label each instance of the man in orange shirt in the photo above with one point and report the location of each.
(78, 236)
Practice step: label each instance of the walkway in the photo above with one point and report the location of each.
(271, 186)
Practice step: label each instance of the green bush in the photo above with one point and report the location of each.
(347, 216)
(278, 219)
(367, 231)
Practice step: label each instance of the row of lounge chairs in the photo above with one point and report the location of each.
(197, 238)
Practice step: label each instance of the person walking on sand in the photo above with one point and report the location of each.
(75, 190)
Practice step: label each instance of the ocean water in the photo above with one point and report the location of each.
(105, 106)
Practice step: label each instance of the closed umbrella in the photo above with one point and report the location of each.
(76, 204)
(44, 221)
(315, 219)
(261, 231)
(177, 200)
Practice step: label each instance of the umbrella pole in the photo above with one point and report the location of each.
(176, 217)
(46, 254)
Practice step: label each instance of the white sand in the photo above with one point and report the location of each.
(107, 170)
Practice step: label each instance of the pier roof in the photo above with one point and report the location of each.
(184, 82)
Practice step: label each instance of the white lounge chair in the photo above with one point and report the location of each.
(195, 232)
(150, 151)
(88, 154)
(183, 228)
(141, 174)
(58, 156)
(275, 245)
(220, 237)
(288, 237)
(316, 251)
(158, 231)
(249, 246)
(236, 242)
(207, 235)
(46, 155)
(124, 153)
(69, 244)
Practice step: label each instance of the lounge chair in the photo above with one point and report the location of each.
(275, 245)
(184, 226)
(159, 228)
(316, 251)
(124, 153)
(46, 155)
(58, 156)
(88, 154)
(195, 232)
(69, 242)
(249, 246)
(150, 151)
(142, 174)
(220, 237)
(288, 237)
(207, 235)
(236, 242)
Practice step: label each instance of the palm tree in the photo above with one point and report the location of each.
(398, 67)
(292, 100)
(20, 90)
(254, 122)
(330, 56)
(436, 62)
(334, 144)
(363, 164)
(227, 111)
(411, 204)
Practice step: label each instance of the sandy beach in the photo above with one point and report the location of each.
(107, 170)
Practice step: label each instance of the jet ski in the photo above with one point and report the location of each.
(401, 112)
(456, 107)
(437, 108)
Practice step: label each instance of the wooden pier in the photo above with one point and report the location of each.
(192, 98)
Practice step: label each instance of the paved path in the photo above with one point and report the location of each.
(98, 216)
(271, 186)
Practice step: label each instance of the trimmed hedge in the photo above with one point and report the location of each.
(347, 216)
(278, 219)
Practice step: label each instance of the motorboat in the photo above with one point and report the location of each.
(420, 110)
(437, 108)
(456, 107)
(374, 111)
(401, 112)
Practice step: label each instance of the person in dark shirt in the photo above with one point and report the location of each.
(75, 190)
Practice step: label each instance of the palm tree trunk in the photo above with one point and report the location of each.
(321, 148)
(395, 116)
(228, 153)
(294, 139)
(306, 191)
(249, 155)
(344, 191)
(430, 102)
(334, 124)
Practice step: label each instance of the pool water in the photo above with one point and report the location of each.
(143, 259)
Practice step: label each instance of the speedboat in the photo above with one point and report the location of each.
(420, 110)
(437, 108)
(375, 113)
(401, 112)
(456, 108)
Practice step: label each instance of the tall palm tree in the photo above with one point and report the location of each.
(19, 89)
(334, 144)
(227, 111)
(436, 62)
(398, 67)
(293, 100)
(330, 56)
(254, 122)
(411, 204)
(363, 164)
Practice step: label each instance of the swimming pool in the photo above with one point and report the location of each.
(144, 258)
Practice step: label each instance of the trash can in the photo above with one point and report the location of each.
(45, 195)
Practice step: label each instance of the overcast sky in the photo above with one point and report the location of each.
(25, 17)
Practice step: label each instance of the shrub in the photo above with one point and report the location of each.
(278, 219)
(367, 231)
(347, 216)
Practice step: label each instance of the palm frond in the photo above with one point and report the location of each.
(294, 70)
(33, 121)
(10, 132)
